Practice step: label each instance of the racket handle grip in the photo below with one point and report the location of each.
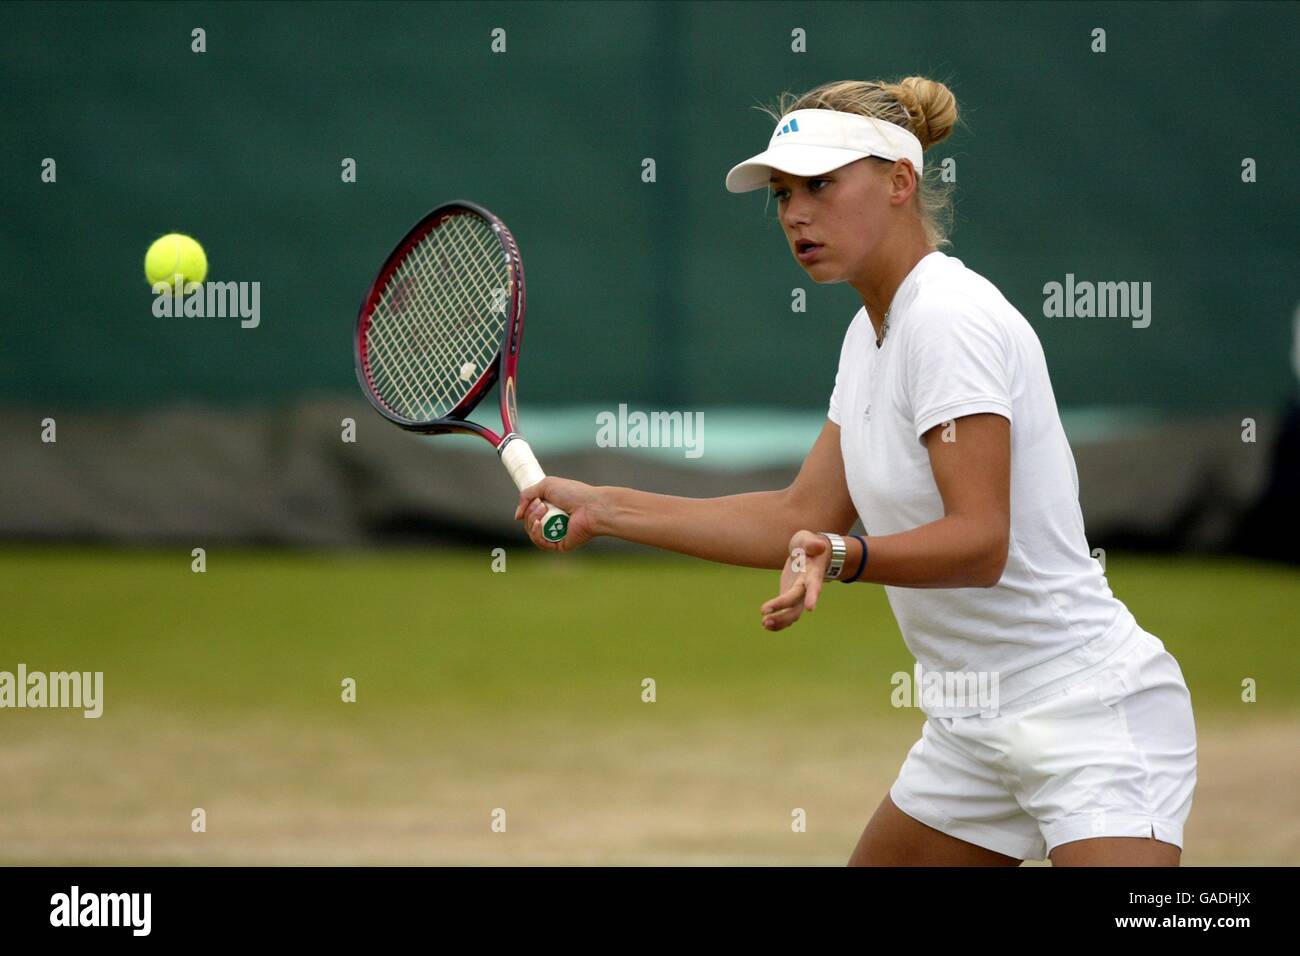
(521, 463)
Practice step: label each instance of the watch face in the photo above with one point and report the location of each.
(839, 551)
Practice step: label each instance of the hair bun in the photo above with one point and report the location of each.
(931, 106)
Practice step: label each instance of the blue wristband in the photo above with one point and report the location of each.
(863, 564)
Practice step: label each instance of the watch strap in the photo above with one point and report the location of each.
(861, 564)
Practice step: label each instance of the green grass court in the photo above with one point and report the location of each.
(522, 690)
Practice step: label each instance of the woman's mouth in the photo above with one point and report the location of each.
(807, 251)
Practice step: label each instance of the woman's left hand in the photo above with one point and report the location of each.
(801, 580)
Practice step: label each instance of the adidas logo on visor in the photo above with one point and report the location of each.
(790, 127)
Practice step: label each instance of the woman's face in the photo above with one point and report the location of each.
(846, 212)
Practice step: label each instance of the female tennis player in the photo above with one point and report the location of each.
(944, 438)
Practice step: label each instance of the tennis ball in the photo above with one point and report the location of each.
(173, 255)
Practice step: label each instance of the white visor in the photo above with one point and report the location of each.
(812, 142)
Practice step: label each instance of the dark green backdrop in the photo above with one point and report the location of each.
(1120, 166)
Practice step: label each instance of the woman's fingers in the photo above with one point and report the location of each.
(784, 609)
(782, 619)
(536, 514)
(527, 496)
(812, 591)
(810, 555)
(778, 622)
(533, 527)
(804, 571)
(531, 509)
(786, 599)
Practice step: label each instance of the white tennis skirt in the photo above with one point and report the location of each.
(1112, 754)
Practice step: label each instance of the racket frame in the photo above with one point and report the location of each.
(511, 447)
(503, 370)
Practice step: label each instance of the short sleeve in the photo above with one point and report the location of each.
(833, 412)
(958, 363)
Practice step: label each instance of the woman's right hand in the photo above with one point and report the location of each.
(582, 503)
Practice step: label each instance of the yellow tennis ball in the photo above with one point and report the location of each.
(172, 255)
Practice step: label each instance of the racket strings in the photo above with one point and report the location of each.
(413, 369)
(467, 261)
(438, 323)
(419, 324)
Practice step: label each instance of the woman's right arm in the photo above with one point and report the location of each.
(752, 530)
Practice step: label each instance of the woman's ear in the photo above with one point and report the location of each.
(902, 181)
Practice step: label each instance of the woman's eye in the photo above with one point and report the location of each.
(780, 194)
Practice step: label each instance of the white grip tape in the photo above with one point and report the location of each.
(525, 472)
(522, 464)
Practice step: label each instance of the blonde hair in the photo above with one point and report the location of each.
(924, 107)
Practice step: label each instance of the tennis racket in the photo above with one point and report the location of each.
(441, 324)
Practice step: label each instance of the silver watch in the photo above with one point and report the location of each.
(839, 551)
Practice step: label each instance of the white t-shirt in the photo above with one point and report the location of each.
(956, 347)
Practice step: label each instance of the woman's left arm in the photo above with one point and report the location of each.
(966, 548)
